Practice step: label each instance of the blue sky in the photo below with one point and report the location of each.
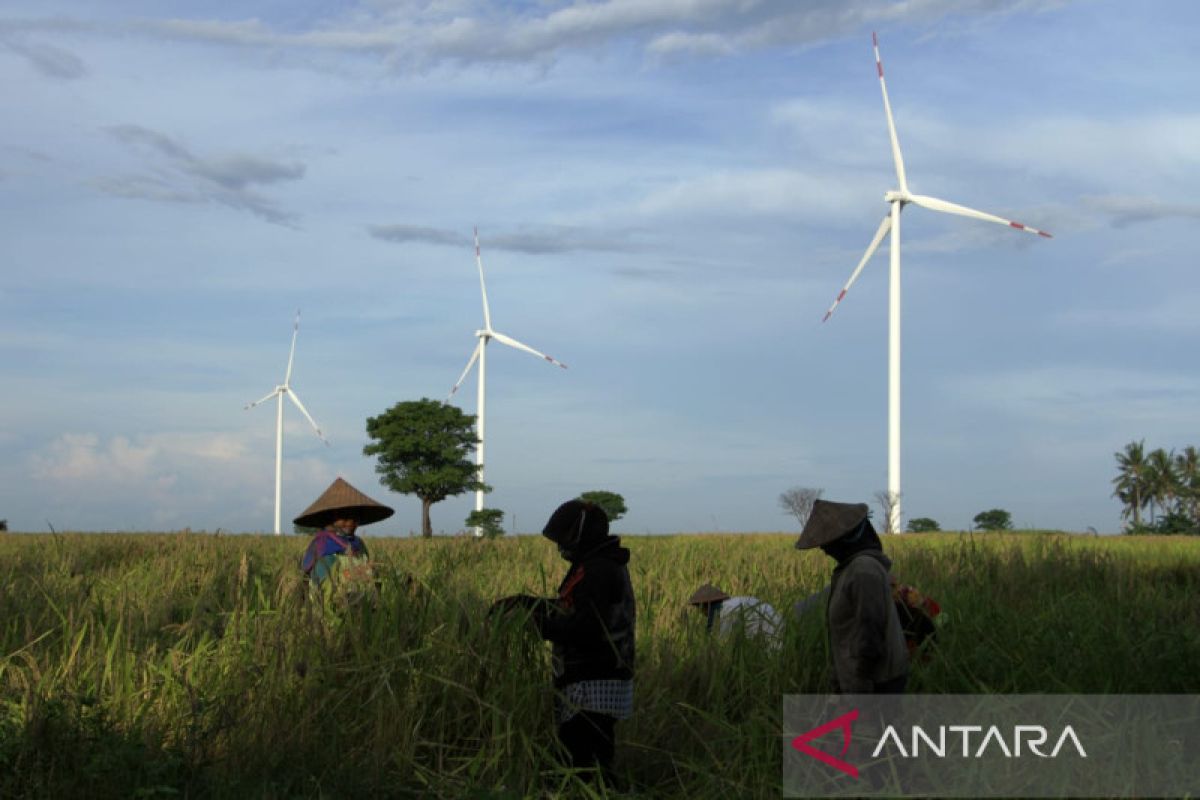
(669, 195)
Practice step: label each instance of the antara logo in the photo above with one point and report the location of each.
(844, 722)
(1032, 737)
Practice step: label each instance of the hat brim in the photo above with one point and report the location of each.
(707, 594)
(363, 515)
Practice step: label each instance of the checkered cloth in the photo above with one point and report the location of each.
(612, 697)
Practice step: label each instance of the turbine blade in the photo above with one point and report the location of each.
(508, 340)
(307, 416)
(487, 314)
(884, 227)
(292, 354)
(934, 204)
(260, 402)
(887, 107)
(470, 363)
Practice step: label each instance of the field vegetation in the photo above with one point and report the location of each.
(196, 665)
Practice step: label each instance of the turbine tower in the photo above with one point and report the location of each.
(898, 199)
(282, 389)
(486, 334)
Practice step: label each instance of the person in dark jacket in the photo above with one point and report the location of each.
(591, 625)
(866, 640)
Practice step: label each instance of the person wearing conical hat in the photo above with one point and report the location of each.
(751, 616)
(337, 514)
(866, 640)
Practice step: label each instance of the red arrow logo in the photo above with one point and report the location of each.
(844, 722)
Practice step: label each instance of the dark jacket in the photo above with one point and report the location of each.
(591, 622)
(865, 637)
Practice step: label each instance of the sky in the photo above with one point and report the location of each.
(669, 195)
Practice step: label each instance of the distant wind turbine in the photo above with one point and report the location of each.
(280, 391)
(485, 335)
(898, 198)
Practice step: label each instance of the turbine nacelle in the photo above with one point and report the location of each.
(895, 196)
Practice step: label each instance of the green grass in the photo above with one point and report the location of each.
(195, 665)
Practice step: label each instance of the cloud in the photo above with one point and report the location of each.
(83, 457)
(1073, 397)
(530, 241)
(416, 34)
(51, 61)
(783, 193)
(184, 177)
(404, 234)
(1126, 210)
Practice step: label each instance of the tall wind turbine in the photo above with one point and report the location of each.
(486, 334)
(898, 199)
(282, 389)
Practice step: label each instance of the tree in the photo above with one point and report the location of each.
(798, 501)
(487, 520)
(612, 503)
(995, 519)
(887, 504)
(1161, 480)
(423, 448)
(1187, 470)
(923, 525)
(1130, 483)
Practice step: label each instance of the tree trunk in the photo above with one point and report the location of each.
(426, 525)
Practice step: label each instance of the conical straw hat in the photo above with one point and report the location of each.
(829, 521)
(707, 594)
(341, 500)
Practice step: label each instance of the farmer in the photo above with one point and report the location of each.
(865, 637)
(727, 614)
(591, 625)
(335, 549)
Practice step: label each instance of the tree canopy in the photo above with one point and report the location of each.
(489, 521)
(1162, 480)
(423, 448)
(923, 525)
(995, 519)
(612, 503)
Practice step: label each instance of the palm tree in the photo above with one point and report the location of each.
(1162, 483)
(1130, 482)
(1187, 468)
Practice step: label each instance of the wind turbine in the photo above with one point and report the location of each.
(486, 334)
(282, 389)
(898, 199)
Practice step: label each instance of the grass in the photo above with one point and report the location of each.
(190, 665)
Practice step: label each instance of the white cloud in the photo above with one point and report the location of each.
(85, 458)
(756, 192)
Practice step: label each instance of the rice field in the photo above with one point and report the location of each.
(194, 665)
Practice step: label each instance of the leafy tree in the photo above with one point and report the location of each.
(1132, 480)
(423, 448)
(923, 525)
(798, 501)
(612, 503)
(1161, 480)
(1175, 523)
(488, 520)
(1187, 469)
(995, 519)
